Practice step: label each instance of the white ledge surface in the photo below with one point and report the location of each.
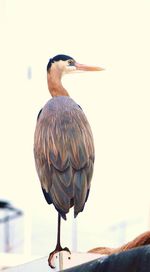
(62, 260)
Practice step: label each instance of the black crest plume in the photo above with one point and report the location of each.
(57, 58)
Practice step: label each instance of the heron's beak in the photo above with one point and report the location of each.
(83, 67)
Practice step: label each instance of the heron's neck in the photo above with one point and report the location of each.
(54, 83)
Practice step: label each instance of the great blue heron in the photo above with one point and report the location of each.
(63, 145)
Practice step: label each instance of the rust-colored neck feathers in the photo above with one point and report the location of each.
(55, 86)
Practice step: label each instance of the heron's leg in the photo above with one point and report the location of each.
(58, 245)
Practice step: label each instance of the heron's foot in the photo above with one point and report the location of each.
(51, 255)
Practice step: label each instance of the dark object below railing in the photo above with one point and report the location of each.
(134, 260)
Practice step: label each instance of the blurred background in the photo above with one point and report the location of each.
(113, 35)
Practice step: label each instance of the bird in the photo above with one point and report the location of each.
(63, 145)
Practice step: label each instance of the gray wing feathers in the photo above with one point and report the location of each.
(64, 157)
(80, 190)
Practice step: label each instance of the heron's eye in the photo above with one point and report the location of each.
(71, 62)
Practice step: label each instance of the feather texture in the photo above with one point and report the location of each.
(64, 154)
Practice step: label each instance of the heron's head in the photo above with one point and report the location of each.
(66, 64)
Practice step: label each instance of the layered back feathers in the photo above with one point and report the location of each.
(64, 154)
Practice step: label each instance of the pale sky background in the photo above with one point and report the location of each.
(111, 34)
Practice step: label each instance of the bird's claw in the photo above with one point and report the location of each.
(51, 255)
(66, 249)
